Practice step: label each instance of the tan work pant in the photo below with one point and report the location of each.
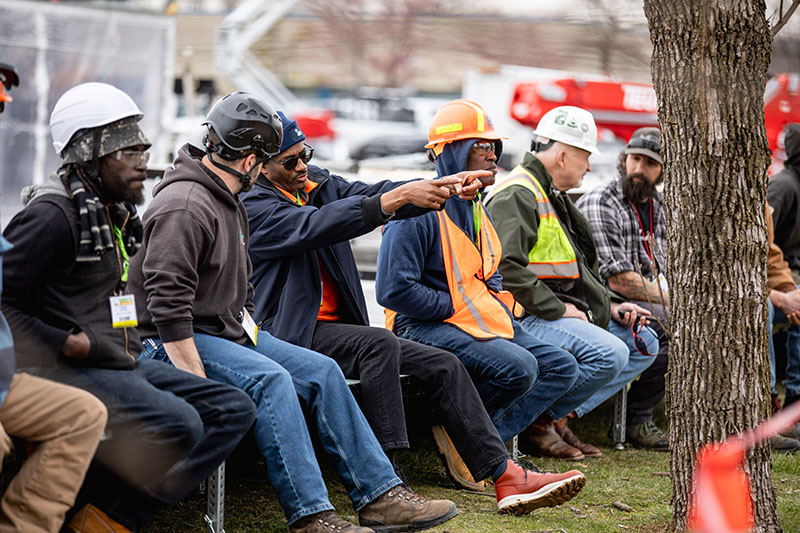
(65, 424)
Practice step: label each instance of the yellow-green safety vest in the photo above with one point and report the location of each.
(553, 256)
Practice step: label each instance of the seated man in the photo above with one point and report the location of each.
(193, 274)
(783, 196)
(627, 220)
(301, 218)
(549, 264)
(69, 311)
(437, 273)
(784, 307)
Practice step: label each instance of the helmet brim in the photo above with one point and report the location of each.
(489, 136)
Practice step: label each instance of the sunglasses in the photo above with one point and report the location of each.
(134, 158)
(649, 142)
(305, 156)
(484, 147)
(639, 342)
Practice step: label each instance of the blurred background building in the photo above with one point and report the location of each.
(363, 76)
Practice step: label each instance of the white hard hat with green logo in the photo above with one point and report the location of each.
(569, 125)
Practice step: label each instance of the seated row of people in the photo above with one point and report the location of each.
(236, 300)
(167, 337)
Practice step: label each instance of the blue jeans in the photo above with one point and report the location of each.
(516, 379)
(637, 363)
(167, 431)
(776, 316)
(275, 374)
(600, 355)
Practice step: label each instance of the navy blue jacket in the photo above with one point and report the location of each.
(287, 239)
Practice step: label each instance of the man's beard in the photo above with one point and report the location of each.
(637, 191)
(134, 197)
(122, 193)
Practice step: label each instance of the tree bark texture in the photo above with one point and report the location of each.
(709, 65)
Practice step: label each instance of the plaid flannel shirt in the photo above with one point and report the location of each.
(616, 230)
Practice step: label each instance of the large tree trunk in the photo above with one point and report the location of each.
(709, 67)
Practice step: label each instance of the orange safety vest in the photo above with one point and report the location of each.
(477, 309)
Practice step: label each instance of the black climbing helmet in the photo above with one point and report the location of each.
(244, 124)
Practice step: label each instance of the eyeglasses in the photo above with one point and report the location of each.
(305, 156)
(639, 342)
(134, 158)
(649, 142)
(484, 147)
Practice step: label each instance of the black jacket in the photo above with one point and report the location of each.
(287, 240)
(783, 196)
(47, 294)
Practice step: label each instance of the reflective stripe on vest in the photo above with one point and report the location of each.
(477, 311)
(552, 257)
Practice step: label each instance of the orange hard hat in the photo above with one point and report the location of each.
(8, 79)
(457, 120)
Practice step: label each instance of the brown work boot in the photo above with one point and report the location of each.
(457, 471)
(90, 519)
(570, 438)
(325, 522)
(401, 509)
(541, 439)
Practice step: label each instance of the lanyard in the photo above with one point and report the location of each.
(477, 215)
(641, 228)
(124, 253)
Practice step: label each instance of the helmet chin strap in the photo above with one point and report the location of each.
(245, 179)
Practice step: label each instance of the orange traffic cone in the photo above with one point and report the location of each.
(721, 502)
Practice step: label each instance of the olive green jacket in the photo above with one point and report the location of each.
(515, 216)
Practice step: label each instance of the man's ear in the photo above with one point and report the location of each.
(561, 158)
(250, 161)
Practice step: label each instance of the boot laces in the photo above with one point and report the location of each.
(652, 430)
(330, 522)
(401, 492)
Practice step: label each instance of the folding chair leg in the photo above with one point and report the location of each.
(620, 414)
(513, 448)
(215, 501)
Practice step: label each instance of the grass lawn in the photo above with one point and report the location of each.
(635, 478)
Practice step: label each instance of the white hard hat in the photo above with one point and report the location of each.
(569, 125)
(88, 105)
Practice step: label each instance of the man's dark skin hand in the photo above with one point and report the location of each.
(432, 194)
(77, 346)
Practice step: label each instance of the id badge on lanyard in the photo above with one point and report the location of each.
(250, 326)
(123, 311)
